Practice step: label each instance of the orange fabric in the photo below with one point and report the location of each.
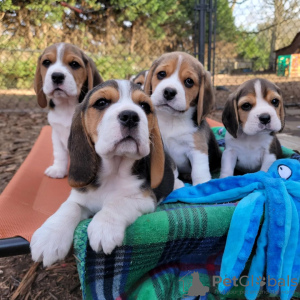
(213, 123)
(31, 196)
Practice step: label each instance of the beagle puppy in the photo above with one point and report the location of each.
(118, 171)
(182, 93)
(140, 78)
(252, 115)
(64, 75)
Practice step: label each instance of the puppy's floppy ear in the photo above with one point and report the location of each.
(206, 98)
(230, 117)
(282, 116)
(148, 85)
(94, 77)
(38, 86)
(281, 109)
(84, 161)
(157, 156)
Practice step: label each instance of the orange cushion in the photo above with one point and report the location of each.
(213, 123)
(31, 196)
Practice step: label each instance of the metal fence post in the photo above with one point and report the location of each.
(215, 36)
(202, 15)
(203, 7)
(210, 31)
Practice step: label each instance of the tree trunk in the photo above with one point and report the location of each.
(272, 56)
(277, 22)
(132, 40)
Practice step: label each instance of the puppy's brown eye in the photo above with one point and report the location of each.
(189, 82)
(101, 103)
(246, 106)
(139, 83)
(161, 75)
(74, 65)
(275, 102)
(146, 107)
(46, 63)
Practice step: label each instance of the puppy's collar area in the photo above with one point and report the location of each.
(116, 164)
(63, 101)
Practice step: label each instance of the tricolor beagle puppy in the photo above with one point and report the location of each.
(140, 78)
(182, 93)
(64, 75)
(118, 171)
(251, 116)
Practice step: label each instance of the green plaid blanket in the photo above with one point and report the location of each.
(159, 249)
(165, 255)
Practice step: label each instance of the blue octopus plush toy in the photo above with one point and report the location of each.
(271, 198)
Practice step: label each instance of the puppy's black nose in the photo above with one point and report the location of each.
(57, 77)
(264, 119)
(129, 118)
(169, 93)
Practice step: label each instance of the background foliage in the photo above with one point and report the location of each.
(125, 36)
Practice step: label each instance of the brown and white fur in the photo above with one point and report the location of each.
(140, 78)
(63, 76)
(118, 171)
(182, 93)
(252, 116)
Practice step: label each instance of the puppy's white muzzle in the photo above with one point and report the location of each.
(123, 131)
(260, 120)
(169, 95)
(63, 87)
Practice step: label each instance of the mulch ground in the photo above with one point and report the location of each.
(18, 132)
(20, 278)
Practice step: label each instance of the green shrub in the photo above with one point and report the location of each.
(17, 71)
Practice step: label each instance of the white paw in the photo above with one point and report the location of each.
(56, 172)
(50, 245)
(178, 184)
(105, 234)
(201, 179)
(224, 175)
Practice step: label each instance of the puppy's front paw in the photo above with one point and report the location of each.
(50, 245)
(106, 234)
(56, 172)
(178, 184)
(201, 179)
(224, 175)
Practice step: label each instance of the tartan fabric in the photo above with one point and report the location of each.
(161, 251)
(157, 252)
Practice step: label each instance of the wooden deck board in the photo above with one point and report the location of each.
(289, 141)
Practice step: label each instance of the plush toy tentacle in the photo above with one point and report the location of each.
(293, 188)
(279, 189)
(280, 216)
(289, 255)
(219, 190)
(241, 237)
(258, 264)
(296, 266)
